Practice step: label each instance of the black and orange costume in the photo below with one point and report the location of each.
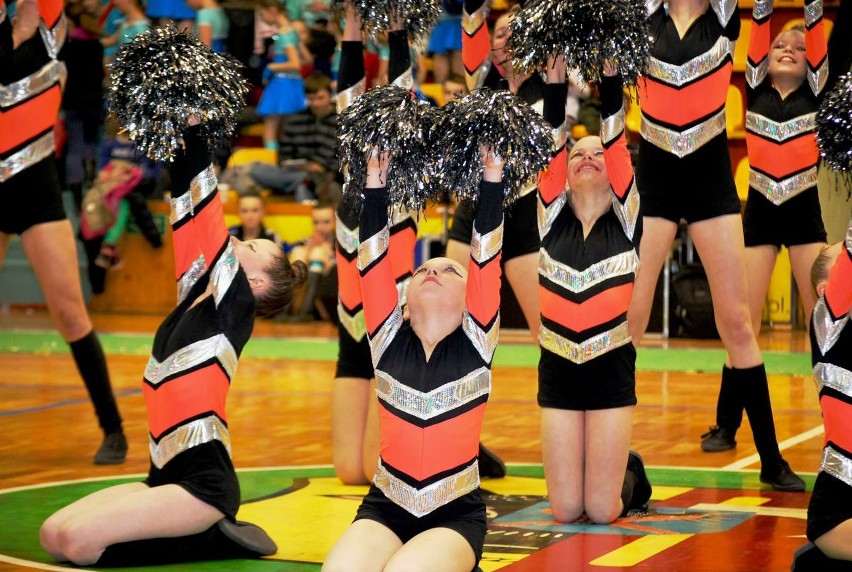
(783, 201)
(196, 348)
(585, 283)
(430, 411)
(831, 349)
(684, 170)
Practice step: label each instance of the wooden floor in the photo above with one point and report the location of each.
(279, 410)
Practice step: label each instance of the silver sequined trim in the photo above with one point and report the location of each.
(587, 350)
(548, 213)
(653, 5)
(778, 192)
(27, 157)
(581, 280)
(477, 78)
(224, 272)
(421, 502)
(442, 400)
(756, 74)
(35, 83)
(347, 96)
(385, 335)
(682, 143)
(54, 38)
(355, 325)
(484, 247)
(724, 9)
(485, 341)
(836, 464)
(693, 69)
(817, 78)
(402, 291)
(371, 249)
(813, 12)
(612, 127)
(560, 136)
(188, 436)
(406, 80)
(628, 212)
(780, 130)
(347, 237)
(761, 9)
(826, 330)
(472, 22)
(2, 12)
(192, 355)
(195, 271)
(833, 376)
(203, 184)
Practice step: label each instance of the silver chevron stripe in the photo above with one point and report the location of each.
(826, 330)
(472, 22)
(192, 355)
(35, 83)
(27, 157)
(548, 213)
(560, 136)
(370, 250)
(817, 78)
(627, 213)
(755, 75)
(612, 127)
(346, 237)
(355, 325)
(694, 68)
(485, 341)
(200, 187)
(477, 78)
(347, 96)
(653, 5)
(188, 436)
(195, 271)
(54, 38)
(385, 335)
(682, 143)
(848, 240)
(780, 130)
(836, 464)
(406, 80)
(224, 272)
(421, 502)
(724, 10)
(581, 280)
(833, 376)
(761, 9)
(485, 246)
(428, 405)
(587, 350)
(813, 12)
(778, 192)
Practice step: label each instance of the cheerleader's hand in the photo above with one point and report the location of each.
(377, 169)
(492, 165)
(610, 69)
(26, 22)
(556, 69)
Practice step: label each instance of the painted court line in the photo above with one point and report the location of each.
(38, 565)
(783, 446)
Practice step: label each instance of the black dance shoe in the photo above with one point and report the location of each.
(782, 478)
(717, 439)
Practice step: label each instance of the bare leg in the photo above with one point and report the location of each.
(802, 258)
(522, 274)
(366, 546)
(657, 236)
(563, 456)
(4, 246)
(271, 128)
(837, 542)
(350, 398)
(607, 446)
(456, 63)
(760, 260)
(440, 67)
(435, 549)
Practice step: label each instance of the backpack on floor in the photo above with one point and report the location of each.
(692, 306)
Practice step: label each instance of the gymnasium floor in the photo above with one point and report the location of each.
(708, 511)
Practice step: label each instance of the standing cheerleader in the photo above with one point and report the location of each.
(211, 24)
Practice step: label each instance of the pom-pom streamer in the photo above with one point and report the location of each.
(834, 126)
(588, 32)
(390, 119)
(165, 76)
(417, 16)
(500, 120)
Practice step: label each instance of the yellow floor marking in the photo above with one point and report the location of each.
(665, 493)
(513, 486)
(800, 513)
(494, 561)
(639, 550)
(746, 501)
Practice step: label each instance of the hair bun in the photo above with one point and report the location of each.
(300, 272)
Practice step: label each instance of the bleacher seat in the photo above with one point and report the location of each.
(633, 118)
(734, 113)
(246, 155)
(433, 90)
(741, 179)
(741, 49)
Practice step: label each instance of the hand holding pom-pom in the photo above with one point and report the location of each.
(834, 126)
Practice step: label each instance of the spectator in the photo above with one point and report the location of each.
(211, 24)
(317, 253)
(251, 209)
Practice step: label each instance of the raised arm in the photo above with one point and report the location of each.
(352, 80)
(815, 46)
(726, 12)
(476, 43)
(757, 64)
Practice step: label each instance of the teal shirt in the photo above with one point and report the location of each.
(300, 10)
(130, 31)
(218, 22)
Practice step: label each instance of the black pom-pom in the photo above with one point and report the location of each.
(500, 120)
(390, 119)
(163, 77)
(588, 32)
(834, 126)
(418, 16)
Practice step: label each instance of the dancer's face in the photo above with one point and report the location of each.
(787, 55)
(255, 256)
(438, 284)
(586, 166)
(500, 53)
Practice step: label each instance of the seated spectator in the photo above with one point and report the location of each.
(307, 153)
(317, 253)
(454, 87)
(251, 209)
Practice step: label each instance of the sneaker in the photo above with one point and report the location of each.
(113, 450)
(642, 489)
(717, 439)
(783, 479)
(248, 536)
(490, 465)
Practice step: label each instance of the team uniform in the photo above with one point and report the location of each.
(683, 98)
(585, 283)
(285, 92)
(195, 350)
(31, 79)
(430, 411)
(783, 201)
(831, 349)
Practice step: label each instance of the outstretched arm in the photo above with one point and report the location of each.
(816, 47)
(757, 64)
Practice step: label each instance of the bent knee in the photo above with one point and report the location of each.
(73, 546)
(567, 511)
(350, 474)
(603, 515)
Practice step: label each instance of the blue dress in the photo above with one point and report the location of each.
(285, 92)
(172, 9)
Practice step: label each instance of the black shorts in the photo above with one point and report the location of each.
(31, 197)
(831, 504)
(353, 358)
(700, 186)
(520, 230)
(465, 515)
(606, 382)
(793, 222)
(206, 472)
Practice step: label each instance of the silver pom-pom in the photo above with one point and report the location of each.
(374, 14)
(389, 119)
(834, 126)
(165, 76)
(588, 32)
(500, 120)
(417, 16)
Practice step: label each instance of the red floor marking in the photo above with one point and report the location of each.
(572, 554)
